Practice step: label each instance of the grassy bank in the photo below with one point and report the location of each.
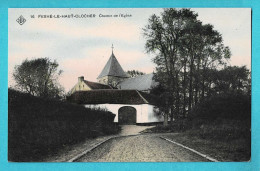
(219, 127)
(39, 127)
(224, 140)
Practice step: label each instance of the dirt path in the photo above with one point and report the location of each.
(140, 148)
(70, 152)
(132, 129)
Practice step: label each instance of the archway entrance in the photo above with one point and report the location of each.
(127, 115)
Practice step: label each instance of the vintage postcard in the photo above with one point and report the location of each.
(129, 84)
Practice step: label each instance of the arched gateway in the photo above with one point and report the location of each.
(127, 115)
(130, 101)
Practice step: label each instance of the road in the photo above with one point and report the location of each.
(140, 148)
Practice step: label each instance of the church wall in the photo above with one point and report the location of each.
(144, 112)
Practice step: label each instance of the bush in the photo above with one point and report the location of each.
(221, 129)
(38, 127)
(227, 106)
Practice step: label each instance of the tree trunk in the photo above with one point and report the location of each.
(197, 78)
(171, 114)
(184, 90)
(203, 84)
(165, 122)
(191, 77)
(190, 87)
(177, 97)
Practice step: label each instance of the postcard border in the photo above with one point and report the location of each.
(252, 165)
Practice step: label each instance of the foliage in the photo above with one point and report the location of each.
(191, 61)
(225, 106)
(232, 79)
(39, 78)
(38, 126)
(161, 105)
(134, 73)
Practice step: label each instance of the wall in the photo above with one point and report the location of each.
(145, 112)
(80, 86)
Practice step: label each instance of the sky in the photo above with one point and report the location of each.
(82, 44)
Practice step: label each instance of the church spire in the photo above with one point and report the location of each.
(112, 68)
(112, 48)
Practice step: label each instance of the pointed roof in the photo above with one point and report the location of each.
(112, 68)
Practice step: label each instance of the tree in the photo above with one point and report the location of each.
(134, 73)
(162, 102)
(38, 77)
(184, 49)
(163, 38)
(232, 80)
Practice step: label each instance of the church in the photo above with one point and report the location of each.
(128, 98)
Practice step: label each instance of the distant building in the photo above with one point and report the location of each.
(126, 97)
(113, 77)
(84, 85)
(112, 73)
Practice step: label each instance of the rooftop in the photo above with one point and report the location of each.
(95, 85)
(111, 96)
(112, 68)
(141, 83)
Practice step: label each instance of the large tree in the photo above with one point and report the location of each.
(184, 48)
(38, 77)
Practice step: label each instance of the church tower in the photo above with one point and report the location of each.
(112, 73)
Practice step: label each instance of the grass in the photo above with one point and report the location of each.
(219, 126)
(40, 127)
(232, 150)
(222, 139)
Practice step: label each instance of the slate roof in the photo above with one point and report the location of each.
(141, 83)
(94, 85)
(112, 68)
(107, 96)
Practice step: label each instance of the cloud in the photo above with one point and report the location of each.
(120, 30)
(82, 46)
